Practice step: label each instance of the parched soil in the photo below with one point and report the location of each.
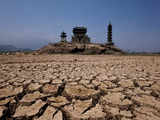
(79, 87)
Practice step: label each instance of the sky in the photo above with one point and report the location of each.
(35, 23)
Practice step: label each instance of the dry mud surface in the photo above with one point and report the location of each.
(76, 87)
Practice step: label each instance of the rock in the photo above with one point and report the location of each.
(48, 114)
(155, 94)
(126, 102)
(50, 89)
(56, 81)
(108, 84)
(113, 98)
(32, 97)
(79, 48)
(147, 100)
(126, 118)
(79, 91)
(34, 86)
(10, 91)
(126, 113)
(156, 86)
(147, 113)
(145, 83)
(112, 110)
(42, 81)
(29, 110)
(126, 83)
(58, 116)
(139, 91)
(78, 107)
(95, 113)
(80, 110)
(117, 89)
(2, 108)
(5, 101)
(58, 101)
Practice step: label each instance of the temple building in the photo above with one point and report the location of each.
(63, 37)
(79, 35)
(81, 44)
(109, 38)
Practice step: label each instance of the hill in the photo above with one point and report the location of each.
(77, 48)
(11, 48)
(8, 48)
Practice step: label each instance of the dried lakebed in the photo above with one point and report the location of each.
(79, 87)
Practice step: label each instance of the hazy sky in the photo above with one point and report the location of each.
(34, 23)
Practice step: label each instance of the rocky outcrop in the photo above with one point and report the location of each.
(77, 48)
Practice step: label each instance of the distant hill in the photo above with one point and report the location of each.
(11, 48)
(8, 48)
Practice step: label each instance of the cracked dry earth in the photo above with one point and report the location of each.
(79, 87)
